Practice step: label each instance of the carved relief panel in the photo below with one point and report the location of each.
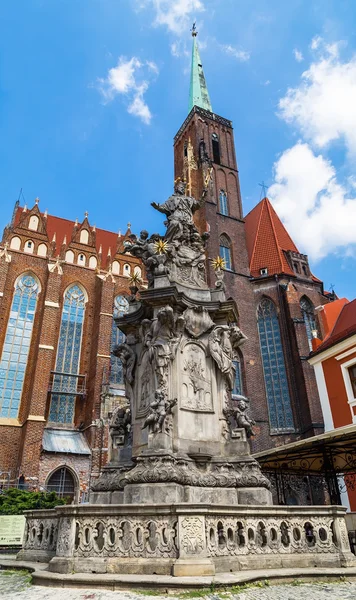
(196, 380)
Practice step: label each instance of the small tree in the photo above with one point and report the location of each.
(14, 501)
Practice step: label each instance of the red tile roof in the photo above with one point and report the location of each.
(64, 228)
(267, 239)
(344, 327)
(329, 314)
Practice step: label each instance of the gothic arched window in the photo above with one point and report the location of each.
(307, 309)
(17, 344)
(216, 148)
(225, 251)
(121, 306)
(223, 206)
(68, 356)
(62, 482)
(278, 398)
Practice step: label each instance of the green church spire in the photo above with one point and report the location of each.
(198, 94)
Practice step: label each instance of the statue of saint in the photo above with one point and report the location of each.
(179, 210)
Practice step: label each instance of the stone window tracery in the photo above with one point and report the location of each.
(225, 251)
(223, 205)
(307, 309)
(17, 344)
(68, 356)
(62, 482)
(121, 307)
(275, 376)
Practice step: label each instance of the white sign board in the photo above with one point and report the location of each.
(12, 528)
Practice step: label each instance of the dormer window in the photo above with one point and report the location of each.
(264, 271)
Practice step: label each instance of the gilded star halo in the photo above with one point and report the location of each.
(218, 263)
(161, 247)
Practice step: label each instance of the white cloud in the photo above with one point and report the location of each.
(298, 55)
(323, 106)
(176, 15)
(316, 41)
(241, 55)
(179, 48)
(318, 212)
(129, 78)
(138, 106)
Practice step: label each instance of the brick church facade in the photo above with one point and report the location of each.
(63, 282)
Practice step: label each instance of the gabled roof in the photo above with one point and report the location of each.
(63, 228)
(344, 327)
(267, 241)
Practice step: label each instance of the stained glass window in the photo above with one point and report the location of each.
(278, 398)
(225, 251)
(121, 307)
(17, 345)
(309, 319)
(237, 389)
(223, 207)
(68, 356)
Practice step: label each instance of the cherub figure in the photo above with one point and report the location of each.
(160, 408)
(240, 416)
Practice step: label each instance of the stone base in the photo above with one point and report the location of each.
(186, 539)
(153, 493)
(257, 496)
(210, 495)
(42, 556)
(193, 567)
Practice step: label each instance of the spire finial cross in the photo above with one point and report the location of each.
(264, 188)
(194, 30)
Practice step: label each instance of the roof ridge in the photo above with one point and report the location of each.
(257, 230)
(269, 206)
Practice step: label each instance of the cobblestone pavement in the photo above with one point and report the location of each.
(15, 586)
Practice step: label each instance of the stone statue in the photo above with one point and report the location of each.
(128, 358)
(239, 415)
(120, 424)
(223, 343)
(160, 408)
(179, 210)
(161, 340)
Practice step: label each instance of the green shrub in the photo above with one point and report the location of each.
(15, 501)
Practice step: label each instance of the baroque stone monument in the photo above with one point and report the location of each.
(181, 494)
(182, 437)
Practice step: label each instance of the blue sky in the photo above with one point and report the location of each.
(93, 91)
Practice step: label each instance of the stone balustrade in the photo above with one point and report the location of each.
(113, 538)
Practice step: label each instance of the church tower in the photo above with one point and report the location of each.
(204, 151)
